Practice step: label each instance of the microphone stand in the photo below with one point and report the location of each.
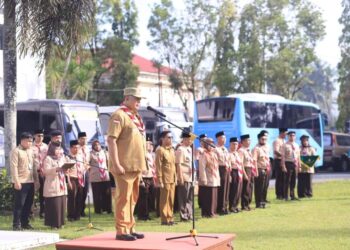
(89, 225)
(193, 232)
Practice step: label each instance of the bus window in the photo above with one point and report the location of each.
(213, 110)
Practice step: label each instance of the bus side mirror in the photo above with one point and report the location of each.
(69, 127)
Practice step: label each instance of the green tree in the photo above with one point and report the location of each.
(344, 67)
(34, 27)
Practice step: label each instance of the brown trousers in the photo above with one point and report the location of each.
(304, 185)
(246, 189)
(127, 193)
(235, 189)
(260, 183)
(289, 180)
(143, 203)
(166, 203)
(209, 201)
(101, 193)
(224, 190)
(279, 178)
(185, 200)
(75, 199)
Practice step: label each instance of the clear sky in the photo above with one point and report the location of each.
(327, 49)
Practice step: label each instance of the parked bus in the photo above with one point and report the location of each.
(250, 113)
(68, 116)
(154, 125)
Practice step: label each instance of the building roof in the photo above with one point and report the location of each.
(146, 65)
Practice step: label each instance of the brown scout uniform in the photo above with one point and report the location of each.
(277, 146)
(132, 157)
(224, 189)
(237, 179)
(184, 173)
(291, 160)
(261, 157)
(248, 164)
(305, 174)
(166, 173)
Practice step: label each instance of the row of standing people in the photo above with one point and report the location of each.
(38, 166)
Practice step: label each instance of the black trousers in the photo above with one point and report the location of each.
(289, 180)
(23, 201)
(101, 193)
(280, 177)
(224, 190)
(41, 194)
(85, 192)
(209, 201)
(157, 200)
(143, 207)
(75, 199)
(304, 185)
(260, 183)
(235, 189)
(185, 201)
(267, 182)
(246, 189)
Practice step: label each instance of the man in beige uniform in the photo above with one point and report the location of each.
(85, 153)
(25, 180)
(166, 174)
(277, 156)
(184, 177)
(127, 154)
(290, 165)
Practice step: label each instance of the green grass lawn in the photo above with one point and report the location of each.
(322, 222)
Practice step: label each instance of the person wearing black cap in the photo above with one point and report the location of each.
(199, 152)
(306, 172)
(262, 158)
(56, 137)
(269, 168)
(237, 173)
(25, 180)
(166, 175)
(75, 182)
(224, 170)
(249, 165)
(290, 165)
(277, 155)
(146, 188)
(183, 164)
(84, 151)
(40, 150)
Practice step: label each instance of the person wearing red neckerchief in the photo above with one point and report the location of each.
(84, 152)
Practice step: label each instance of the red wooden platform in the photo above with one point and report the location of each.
(152, 241)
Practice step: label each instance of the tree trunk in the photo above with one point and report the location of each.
(10, 79)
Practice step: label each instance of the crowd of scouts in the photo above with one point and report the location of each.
(227, 177)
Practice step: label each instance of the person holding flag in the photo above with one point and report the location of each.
(308, 158)
(99, 178)
(237, 173)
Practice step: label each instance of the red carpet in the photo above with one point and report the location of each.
(154, 241)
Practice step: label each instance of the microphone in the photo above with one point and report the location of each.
(155, 111)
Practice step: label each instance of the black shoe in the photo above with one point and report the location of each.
(125, 237)
(28, 227)
(83, 214)
(138, 236)
(267, 201)
(294, 199)
(17, 228)
(165, 224)
(171, 223)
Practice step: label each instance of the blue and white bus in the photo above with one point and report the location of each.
(249, 113)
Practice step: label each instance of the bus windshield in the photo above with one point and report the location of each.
(280, 115)
(85, 119)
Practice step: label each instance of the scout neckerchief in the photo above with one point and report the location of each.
(266, 158)
(250, 161)
(293, 153)
(212, 162)
(136, 119)
(102, 166)
(61, 177)
(79, 172)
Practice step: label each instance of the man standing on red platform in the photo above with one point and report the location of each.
(127, 154)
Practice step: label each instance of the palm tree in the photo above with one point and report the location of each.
(34, 27)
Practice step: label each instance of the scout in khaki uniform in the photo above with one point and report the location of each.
(277, 156)
(25, 180)
(184, 177)
(306, 172)
(99, 178)
(84, 151)
(237, 172)
(262, 159)
(166, 173)
(127, 156)
(75, 182)
(56, 137)
(224, 169)
(268, 168)
(290, 165)
(147, 185)
(40, 149)
(248, 164)
(199, 152)
(209, 179)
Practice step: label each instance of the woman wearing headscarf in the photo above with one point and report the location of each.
(99, 178)
(55, 188)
